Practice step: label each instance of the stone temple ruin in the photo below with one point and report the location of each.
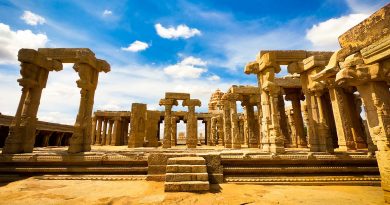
(305, 128)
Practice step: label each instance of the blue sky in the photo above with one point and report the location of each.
(158, 46)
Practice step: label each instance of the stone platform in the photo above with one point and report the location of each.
(248, 165)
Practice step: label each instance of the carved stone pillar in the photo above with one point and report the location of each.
(213, 133)
(295, 98)
(227, 124)
(109, 134)
(283, 118)
(293, 135)
(99, 131)
(208, 131)
(220, 131)
(80, 140)
(117, 133)
(59, 139)
(104, 134)
(137, 125)
(93, 131)
(174, 131)
(325, 138)
(152, 129)
(235, 127)
(168, 103)
(192, 123)
(305, 116)
(34, 70)
(250, 122)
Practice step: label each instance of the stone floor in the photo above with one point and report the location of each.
(33, 191)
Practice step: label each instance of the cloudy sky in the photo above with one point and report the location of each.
(159, 46)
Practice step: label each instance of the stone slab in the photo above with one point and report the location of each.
(177, 96)
(190, 186)
(186, 168)
(178, 177)
(187, 161)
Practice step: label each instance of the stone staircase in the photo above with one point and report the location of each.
(186, 174)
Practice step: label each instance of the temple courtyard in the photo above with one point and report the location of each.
(34, 191)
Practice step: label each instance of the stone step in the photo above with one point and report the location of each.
(178, 177)
(187, 161)
(187, 186)
(186, 168)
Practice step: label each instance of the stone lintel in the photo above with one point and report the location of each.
(288, 82)
(370, 30)
(284, 57)
(330, 69)
(315, 61)
(75, 55)
(100, 113)
(244, 90)
(377, 51)
(177, 96)
(232, 97)
(168, 102)
(192, 102)
(34, 57)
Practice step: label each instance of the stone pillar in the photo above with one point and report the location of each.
(283, 118)
(137, 125)
(104, 134)
(293, 135)
(116, 134)
(174, 131)
(46, 138)
(305, 116)
(250, 122)
(34, 70)
(109, 134)
(227, 124)
(80, 140)
(325, 138)
(93, 131)
(276, 138)
(213, 133)
(295, 98)
(59, 138)
(99, 131)
(241, 129)
(220, 130)
(235, 127)
(208, 138)
(152, 128)
(168, 103)
(192, 123)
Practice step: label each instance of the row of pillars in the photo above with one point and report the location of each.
(109, 131)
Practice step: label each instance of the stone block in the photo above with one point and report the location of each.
(178, 177)
(177, 96)
(186, 168)
(187, 161)
(191, 186)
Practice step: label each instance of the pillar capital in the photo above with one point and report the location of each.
(168, 102)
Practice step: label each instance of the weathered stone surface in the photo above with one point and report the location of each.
(177, 96)
(372, 29)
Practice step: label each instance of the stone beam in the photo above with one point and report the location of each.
(372, 29)
(244, 90)
(75, 55)
(177, 96)
(34, 57)
(168, 102)
(192, 102)
(288, 82)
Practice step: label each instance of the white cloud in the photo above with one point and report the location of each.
(11, 41)
(136, 46)
(181, 31)
(325, 35)
(107, 13)
(189, 67)
(214, 78)
(31, 18)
